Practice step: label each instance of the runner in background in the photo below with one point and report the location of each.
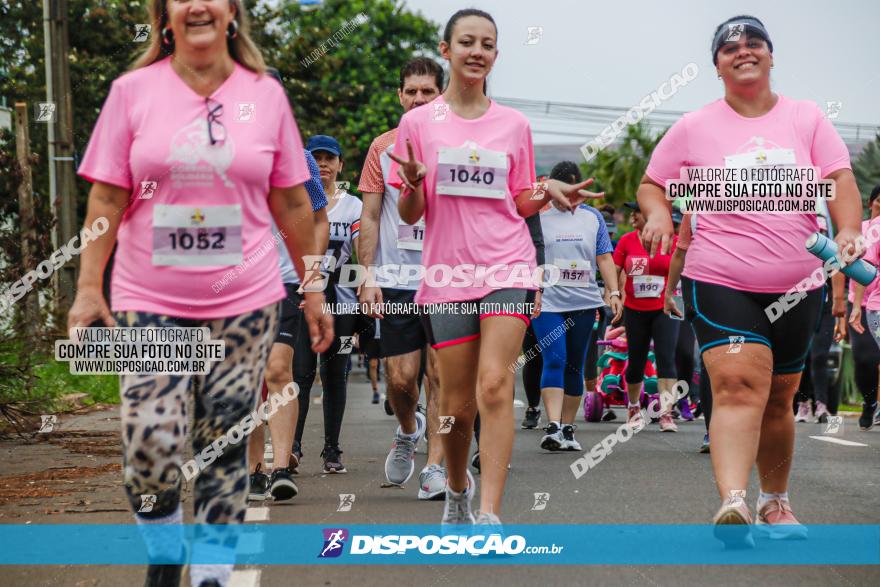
(644, 321)
(279, 368)
(343, 213)
(388, 243)
(738, 265)
(169, 122)
(686, 341)
(531, 370)
(864, 350)
(467, 166)
(578, 245)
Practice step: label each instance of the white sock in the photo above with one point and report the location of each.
(164, 543)
(217, 571)
(631, 405)
(763, 498)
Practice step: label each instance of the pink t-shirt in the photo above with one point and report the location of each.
(871, 299)
(196, 240)
(752, 252)
(490, 157)
(871, 255)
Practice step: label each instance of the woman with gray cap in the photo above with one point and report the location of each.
(732, 279)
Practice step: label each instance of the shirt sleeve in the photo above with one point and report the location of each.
(620, 252)
(314, 186)
(537, 234)
(522, 176)
(827, 150)
(107, 156)
(405, 132)
(371, 176)
(289, 168)
(670, 154)
(603, 241)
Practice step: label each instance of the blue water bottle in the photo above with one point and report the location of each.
(825, 248)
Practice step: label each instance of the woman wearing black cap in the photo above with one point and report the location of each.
(644, 321)
(733, 280)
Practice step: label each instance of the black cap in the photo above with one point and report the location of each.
(634, 205)
(731, 29)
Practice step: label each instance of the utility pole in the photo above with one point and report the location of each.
(31, 321)
(62, 183)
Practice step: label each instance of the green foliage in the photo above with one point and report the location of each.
(619, 171)
(866, 167)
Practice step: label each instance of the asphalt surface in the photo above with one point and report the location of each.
(652, 479)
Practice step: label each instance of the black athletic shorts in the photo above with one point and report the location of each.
(401, 329)
(369, 342)
(725, 316)
(291, 316)
(459, 322)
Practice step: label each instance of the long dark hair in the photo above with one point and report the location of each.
(450, 25)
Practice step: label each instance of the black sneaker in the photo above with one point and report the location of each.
(332, 462)
(553, 439)
(209, 583)
(282, 486)
(475, 461)
(609, 415)
(388, 409)
(163, 575)
(868, 417)
(531, 419)
(295, 458)
(259, 484)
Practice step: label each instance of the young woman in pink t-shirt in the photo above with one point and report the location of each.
(739, 265)
(193, 156)
(467, 165)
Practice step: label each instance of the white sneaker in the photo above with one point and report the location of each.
(432, 483)
(803, 413)
(553, 439)
(458, 507)
(400, 462)
(568, 440)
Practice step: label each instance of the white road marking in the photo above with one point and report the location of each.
(245, 578)
(838, 441)
(256, 515)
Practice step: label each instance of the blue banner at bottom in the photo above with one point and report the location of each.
(360, 544)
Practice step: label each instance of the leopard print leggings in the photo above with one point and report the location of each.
(155, 419)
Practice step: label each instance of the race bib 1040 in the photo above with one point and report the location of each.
(471, 171)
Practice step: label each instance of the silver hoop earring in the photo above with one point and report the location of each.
(232, 29)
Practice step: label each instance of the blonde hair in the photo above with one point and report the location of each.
(242, 48)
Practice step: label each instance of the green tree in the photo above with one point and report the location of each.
(619, 171)
(866, 167)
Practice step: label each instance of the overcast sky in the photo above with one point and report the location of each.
(613, 53)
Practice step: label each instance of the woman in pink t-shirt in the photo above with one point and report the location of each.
(739, 265)
(467, 165)
(194, 154)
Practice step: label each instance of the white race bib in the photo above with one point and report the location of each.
(197, 237)
(648, 286)
(411, 236)
(761, 157)
(574, 272)
(471, 171)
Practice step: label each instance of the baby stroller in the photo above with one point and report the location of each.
(611, 386)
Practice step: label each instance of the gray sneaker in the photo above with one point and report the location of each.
(458, 508)
(432, 482)
(400, 463)
(491, 522)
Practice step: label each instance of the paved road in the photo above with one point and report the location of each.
(654, 478)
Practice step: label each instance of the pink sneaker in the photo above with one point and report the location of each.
(667, 424)
(803, 413)
(634, 418)
(733, 524)
(777, 521)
